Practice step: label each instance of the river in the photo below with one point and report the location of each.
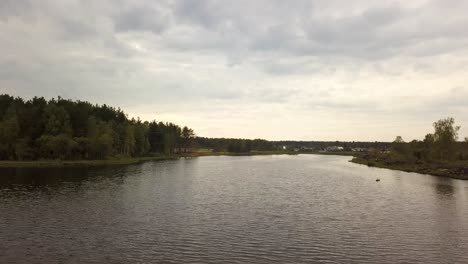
(253, 209)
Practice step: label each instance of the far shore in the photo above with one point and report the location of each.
(79, 163)
(449, 170)
(267, 152)
(452, 170)
(130, 161)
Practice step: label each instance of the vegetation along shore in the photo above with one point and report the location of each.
(440, 153)
(61, 132)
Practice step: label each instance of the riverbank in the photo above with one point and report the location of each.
(252, 153)
(454, 169)
(130, 161)
(126, 161)
(80, 163)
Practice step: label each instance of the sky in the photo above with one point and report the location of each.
(359, 70)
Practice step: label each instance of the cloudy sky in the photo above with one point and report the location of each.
(274, 69)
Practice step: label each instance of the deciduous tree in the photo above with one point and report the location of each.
(445, 135)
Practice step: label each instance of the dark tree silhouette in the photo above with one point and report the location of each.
(66, 129)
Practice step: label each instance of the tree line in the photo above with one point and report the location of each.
(234, 145)
(442, 145)
(321, 145)
(66, 129)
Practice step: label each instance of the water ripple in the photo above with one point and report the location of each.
(268, 209)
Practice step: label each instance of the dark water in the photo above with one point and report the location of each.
(263, 209)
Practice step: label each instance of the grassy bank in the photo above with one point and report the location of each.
(267, 152)
(225, 153)
(80, 163)
(452, 169)
(123, 161)
(338, 153)
(130, 161)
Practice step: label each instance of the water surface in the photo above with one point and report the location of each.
(258, 209)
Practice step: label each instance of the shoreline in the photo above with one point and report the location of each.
(448, 171)
(131, 161)
(453, 170)
(80, 163)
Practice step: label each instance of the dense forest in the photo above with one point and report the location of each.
(66, 129)
(234, 145)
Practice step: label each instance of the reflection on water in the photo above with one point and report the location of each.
(444, 189)
(265, 209)
(37, 178)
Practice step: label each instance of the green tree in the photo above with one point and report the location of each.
(445, 136)
(9, 133)
(428, 145)
(400, 146)
(129, 141)
(155, 137)
(104, 145)
(398, 139)
(188, 137)
(57, 147)
(92, 136)
(142, 144)
(429, 139)
(57, 120)
(23, 149)
(105, 140)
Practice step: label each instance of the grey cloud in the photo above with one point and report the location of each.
(455, 98)
(240, 30)
(374, 33)
(200, 12)
(278, 66)
(233, 54)
(9, 8)
(151, 18)
(72, 29)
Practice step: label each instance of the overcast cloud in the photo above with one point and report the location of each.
(305, 70)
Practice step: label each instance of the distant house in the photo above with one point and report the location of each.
(308, 149)
(334, 148)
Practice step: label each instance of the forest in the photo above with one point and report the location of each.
(234, 145)
(74, 130)
(40, 129)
